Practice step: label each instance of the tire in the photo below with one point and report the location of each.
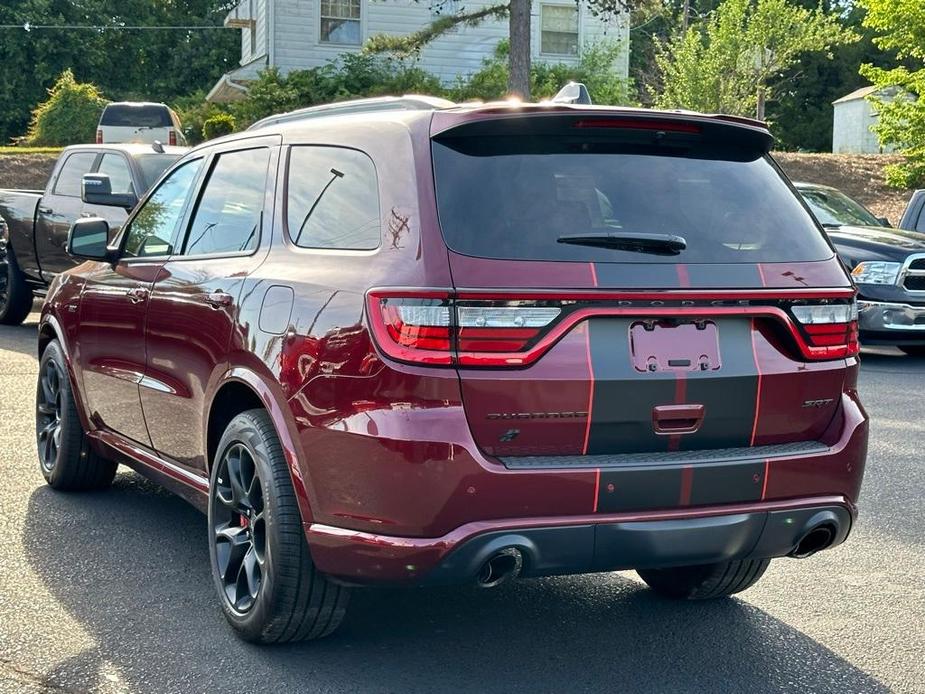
(15, 296)
(706, 581)
(65, 457)
(914, 350)
(270, 590)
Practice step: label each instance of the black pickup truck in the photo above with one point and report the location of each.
(34, 224)
(887, 264)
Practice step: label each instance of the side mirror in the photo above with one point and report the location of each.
(884, 222)
(88, 239)
(96, 189)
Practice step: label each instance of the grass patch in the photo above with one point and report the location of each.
(30, 150)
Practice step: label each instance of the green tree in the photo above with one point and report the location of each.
(159, 64)
(69, 115)
(732, 61)
(901, 24)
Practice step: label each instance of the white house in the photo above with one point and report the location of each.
(854, 116)
(300, 34)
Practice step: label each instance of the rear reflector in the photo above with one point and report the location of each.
(172, 138)
(99, 136)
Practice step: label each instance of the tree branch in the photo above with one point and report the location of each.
(410, 44)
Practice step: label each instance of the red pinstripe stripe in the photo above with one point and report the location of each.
(593, 274)
(758, 389)
(584, 447)
(687, 482)
(684, 279)
(597, 488)
(764, 485)
(680, 397)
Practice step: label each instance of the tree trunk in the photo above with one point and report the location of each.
(519, 60)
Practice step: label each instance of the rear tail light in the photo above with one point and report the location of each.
(99, 136)
(831, 330)
(172, 138)
(434, 328)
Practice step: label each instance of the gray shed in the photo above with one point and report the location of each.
(854, 117)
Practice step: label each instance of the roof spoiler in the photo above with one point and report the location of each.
(573, 93)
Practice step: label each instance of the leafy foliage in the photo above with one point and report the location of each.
(69, 115)
(595, 69)
(902, 120)
(153, 64)
(722, 62)
(218, 125)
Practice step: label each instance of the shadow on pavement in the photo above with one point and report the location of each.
(21, 338)
(131, 566)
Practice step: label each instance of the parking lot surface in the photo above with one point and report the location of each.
(111, 592)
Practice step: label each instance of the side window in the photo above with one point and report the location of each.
(75, 166)
(153, 231)
(333, 199)
(227, 218)
(115, 166)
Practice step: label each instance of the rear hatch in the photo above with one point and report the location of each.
(629, 286)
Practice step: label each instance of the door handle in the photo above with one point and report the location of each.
(137, 295)
(45, 210)
(219, 299)
(86, 214)
(677, 419)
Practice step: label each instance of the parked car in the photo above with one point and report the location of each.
(887, 264)
(461, 344)
(913, 218)
(34, 224)
(139, 121)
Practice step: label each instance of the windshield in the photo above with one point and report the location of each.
(834, 208)
(515, 197)
(153, 165)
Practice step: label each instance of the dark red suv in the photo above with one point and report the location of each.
(413, 342)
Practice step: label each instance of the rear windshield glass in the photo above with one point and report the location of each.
(514, 197)
(153, 165)
(152, 116)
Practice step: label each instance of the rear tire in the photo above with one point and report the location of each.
(65, 458)
(270, 590)
(706, 581)
(15, 295)
(914, 350)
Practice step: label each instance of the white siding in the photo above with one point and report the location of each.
(254, 44)
(297, 28)
(851, 132)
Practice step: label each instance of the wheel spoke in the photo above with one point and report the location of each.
(231, 544)
(47, 408)
(252, 572)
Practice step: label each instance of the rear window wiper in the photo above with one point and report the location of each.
(658, 244)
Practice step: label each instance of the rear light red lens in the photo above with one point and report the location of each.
(659, 125)
(99, 136)
(830, 330)
(172, 138)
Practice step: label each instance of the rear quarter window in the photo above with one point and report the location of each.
(514, 197)
(332, 199)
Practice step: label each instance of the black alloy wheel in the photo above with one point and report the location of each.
(239, 527)
(48, 415)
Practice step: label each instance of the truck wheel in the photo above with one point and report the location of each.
(270, 590)
(15, 296)
(914, 350)
(705, 581)
(65, 458)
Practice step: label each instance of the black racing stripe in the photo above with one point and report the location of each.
(621, 412)
(725, 276)
(727, 394)
(642, 488)
(659, 486)
(637, 276)
(727, 483)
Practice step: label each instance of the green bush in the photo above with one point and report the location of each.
(595, 68)
(194, 111)
(69, 115)
(218, 125)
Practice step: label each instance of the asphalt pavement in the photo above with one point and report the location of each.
(111, 592)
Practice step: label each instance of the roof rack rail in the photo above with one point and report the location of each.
(409, 102)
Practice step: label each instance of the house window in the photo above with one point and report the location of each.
(559, 29)
(340, 21)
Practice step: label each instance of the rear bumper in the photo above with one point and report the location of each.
(553, 546)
